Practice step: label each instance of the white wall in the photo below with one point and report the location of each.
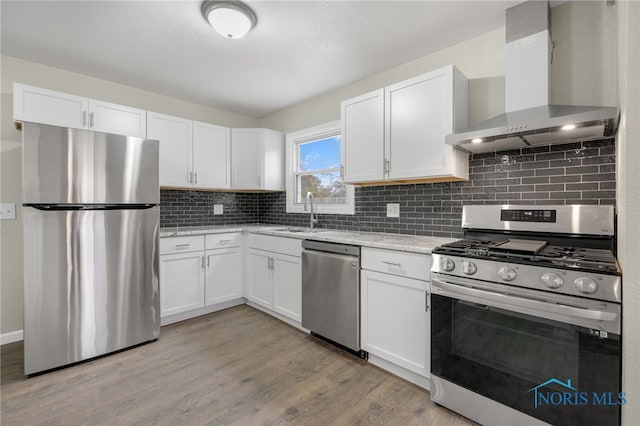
(16, 70)
(583, 71)
(629, 200)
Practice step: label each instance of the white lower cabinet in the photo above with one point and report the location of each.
(260, 278)
(223, 275)
(394, 318)
(274, 277)
(181, 283)
(199, 274)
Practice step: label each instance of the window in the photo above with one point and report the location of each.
(315, 165)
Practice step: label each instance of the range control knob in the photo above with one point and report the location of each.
(469, 268)
(507, 273)
(586, 285)
(552, 280)
(447, 264)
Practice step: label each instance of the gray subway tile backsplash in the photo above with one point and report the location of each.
(574, 173)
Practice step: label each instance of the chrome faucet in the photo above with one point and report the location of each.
(312, 220)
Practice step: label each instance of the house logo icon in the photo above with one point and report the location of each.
(569, 395)
(537, 391)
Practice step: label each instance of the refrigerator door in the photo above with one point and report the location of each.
(91, 283)
(70, 166)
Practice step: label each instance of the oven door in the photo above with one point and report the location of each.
(558, 361)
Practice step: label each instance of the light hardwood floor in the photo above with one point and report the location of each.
(234, 367)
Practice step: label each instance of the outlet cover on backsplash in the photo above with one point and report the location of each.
(393, 210)
(218, 209)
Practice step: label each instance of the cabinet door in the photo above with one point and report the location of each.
(246, 158)
(287, 286)
(112, 118)
(174, 135)
(260, 280)
(363, 137)
(211, 156)
(418, 117)
(394, 320)
(48, 107)
(223, 276)
(181, 282)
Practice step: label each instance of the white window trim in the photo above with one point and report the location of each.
(304, 135)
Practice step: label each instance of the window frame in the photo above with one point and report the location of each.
(293, 139)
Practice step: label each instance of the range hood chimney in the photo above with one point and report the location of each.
(529, 118)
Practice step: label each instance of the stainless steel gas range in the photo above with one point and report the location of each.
(526, 317)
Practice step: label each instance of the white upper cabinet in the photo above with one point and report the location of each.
(257, 159)
(211, 156)
(363, 127)
(192, 154)
(411, 118)
(37, 105)
(174, 134)
(112, 118)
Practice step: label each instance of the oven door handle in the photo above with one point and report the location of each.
(585, 316)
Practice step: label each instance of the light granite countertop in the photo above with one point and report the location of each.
(400, 242)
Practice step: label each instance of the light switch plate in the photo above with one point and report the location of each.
(393, 210)
(218, 209)
(7, 211)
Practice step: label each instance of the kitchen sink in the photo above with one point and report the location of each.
(304, 230)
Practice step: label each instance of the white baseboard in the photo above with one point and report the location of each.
(201, 311)
(410, 376)
(10, 337)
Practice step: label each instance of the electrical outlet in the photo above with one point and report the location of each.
(7, 211)
(218, 209)
(393, 210)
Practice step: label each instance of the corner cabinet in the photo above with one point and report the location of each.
(37, 105)
(394, 318)
(257, 159)
(199, 274)
(397, 134)
(192, 154)
(274, 274)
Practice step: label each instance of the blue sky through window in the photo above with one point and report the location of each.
(320, 154)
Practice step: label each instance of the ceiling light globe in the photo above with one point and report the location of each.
(231, 19)
(568, 127)
(476, 140)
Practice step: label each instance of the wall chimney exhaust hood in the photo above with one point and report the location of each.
(529, 118)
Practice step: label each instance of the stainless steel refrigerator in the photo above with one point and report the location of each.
(91, 223)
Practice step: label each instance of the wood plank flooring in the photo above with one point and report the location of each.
(234, 367)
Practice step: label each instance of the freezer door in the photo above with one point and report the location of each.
(90, 283)
(70, 166)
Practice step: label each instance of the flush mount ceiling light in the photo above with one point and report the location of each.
(476, 140)
(232, 19)
(568, 127)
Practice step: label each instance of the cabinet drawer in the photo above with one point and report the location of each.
(410, 265)
(217, 241)
(171, 245)
(290, 246)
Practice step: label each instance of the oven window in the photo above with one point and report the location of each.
(502, 355)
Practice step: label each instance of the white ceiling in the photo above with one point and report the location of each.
(298, 50)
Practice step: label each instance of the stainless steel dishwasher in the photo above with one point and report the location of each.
(331, 292)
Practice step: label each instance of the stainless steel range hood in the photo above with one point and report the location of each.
(530, 119)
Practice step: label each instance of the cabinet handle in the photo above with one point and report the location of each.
(387, 166)
(91, 120)
(195, 178)
(203, 261)
(224, 241)
(84, 118)
(426, 301)
(396, 264)
(208, 261)
(182, 246)
(190, 178)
